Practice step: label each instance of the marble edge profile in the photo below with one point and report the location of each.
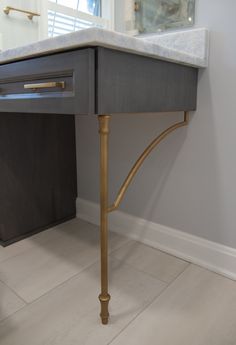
(101, 37)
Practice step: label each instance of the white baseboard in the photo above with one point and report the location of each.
(213, 256)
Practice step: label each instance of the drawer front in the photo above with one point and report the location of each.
(63, 83)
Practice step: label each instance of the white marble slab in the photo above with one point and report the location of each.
(154, 47)
(194, 42)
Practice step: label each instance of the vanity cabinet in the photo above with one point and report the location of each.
(96, 81)
(42, 88)
(39, 98)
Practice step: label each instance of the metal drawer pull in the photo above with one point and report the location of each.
(60, 84)
(29, 14)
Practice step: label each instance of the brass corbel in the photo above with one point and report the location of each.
(141, 159)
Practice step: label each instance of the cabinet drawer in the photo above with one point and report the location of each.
(58, 84)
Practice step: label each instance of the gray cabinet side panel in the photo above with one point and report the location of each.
(131, 83)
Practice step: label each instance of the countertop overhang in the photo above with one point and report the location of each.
(189, 47)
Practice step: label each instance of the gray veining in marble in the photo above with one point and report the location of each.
(194, 42)
(159, 49)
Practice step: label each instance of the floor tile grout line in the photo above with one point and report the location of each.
(67, 280)
(146, 307)
(49, 291)
(34, 236)
(77, 274)
(30, 246)
(119, 247)
(84, 269)
(15, 255)
(14, 292)
(26, 304)
(8, 316)
(142, 271)
(151, 247)
(150, 274)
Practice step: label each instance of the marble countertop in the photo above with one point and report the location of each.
(189, 47)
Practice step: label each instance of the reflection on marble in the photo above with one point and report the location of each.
(158, 15)
(110, 39)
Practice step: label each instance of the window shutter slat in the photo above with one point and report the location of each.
(60, 23)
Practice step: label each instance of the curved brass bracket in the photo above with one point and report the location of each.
(141, 159)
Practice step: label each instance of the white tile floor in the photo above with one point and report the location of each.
(49, 286)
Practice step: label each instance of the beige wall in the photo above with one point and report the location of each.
(189, 182)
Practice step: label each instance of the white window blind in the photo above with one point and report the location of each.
(65, 16)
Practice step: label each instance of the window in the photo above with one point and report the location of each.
(88, 6)
(65, 16)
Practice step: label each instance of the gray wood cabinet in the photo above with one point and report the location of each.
(97, 81)
(38, 100)
(37, 173)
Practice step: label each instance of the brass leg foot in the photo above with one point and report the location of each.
(104, 308)
(104, 296)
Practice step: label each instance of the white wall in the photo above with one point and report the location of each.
(189, 182)
(16, 29)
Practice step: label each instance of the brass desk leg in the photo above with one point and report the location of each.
(104, 297)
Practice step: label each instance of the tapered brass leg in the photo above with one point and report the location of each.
(104, 297)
